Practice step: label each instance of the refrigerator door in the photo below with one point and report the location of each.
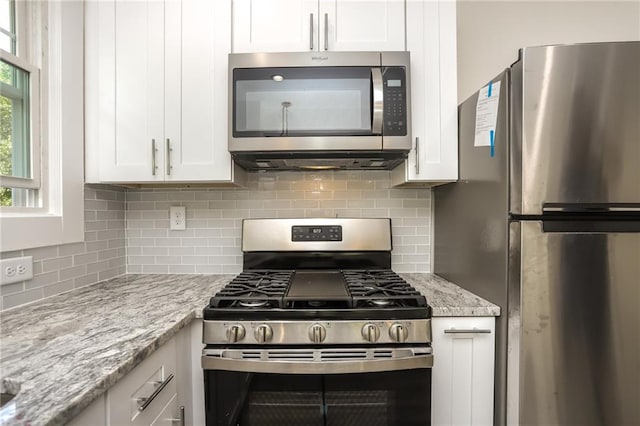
(577, 107)
(574, 327)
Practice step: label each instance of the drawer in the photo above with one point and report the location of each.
(139, 397)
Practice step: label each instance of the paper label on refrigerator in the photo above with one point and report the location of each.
(487, 115)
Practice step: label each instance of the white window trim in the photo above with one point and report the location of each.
(62, 134)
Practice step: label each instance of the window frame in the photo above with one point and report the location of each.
(58, 43)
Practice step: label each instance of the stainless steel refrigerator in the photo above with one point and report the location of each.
(545, 222)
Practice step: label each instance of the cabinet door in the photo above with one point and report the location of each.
(198, 40)
(275, 25)
(462, 376)
(431, 39)
(362, 25)
(137, 84)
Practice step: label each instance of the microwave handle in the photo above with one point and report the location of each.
(378, 101)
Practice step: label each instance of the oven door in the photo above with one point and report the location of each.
(357, 386)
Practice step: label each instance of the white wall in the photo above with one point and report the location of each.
(491, 32)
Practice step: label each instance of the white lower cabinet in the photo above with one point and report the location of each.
(139, 397)
(94, 415)
(462, 376)
(156, 392)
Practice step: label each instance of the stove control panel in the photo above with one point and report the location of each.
(316, 233)
(304, 332)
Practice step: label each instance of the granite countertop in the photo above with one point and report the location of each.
(61, 353)
(449, 300)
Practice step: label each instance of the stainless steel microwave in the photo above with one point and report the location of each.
(319, 110)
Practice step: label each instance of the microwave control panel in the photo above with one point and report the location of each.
(395, 101)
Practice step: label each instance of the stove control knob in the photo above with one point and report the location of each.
(235, 333)
(370, 333)
(263, 333)
(317, 333)
(398, 332)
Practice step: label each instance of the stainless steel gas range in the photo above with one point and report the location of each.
(317, 329)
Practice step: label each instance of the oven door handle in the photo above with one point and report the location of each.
(378, 101)
(316, 367)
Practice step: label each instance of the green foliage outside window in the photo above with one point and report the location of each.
(5, 139)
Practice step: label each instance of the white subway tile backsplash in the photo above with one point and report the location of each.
(212, 241)
(57, 269)
(182, 269)
(85, 280)
(11, 288)
(73, 272)
(182, 251)
(61, 268)
(57, 288)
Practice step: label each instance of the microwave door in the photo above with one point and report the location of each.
(306, 109)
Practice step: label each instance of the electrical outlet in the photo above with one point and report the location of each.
(178, 218)
(16, 269)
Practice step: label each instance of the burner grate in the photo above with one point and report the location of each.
(254, 289)
(381, 289)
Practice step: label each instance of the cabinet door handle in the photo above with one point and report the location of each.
(326, 31)
(417, 155)
(311, 31)
(144, 402)
(467, 331)
(169, 151)
(153, 157)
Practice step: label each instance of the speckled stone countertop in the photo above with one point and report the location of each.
(449, 300)
(61, 353)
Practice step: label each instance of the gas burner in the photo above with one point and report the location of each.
(254, 289)
(381, 288)
(253, 303)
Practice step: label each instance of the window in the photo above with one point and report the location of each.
(41, 56)
(19, 107)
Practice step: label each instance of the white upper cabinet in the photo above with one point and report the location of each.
(317, 25)
(156, 91)
(431, 39)
(196, 89)
(275, 25)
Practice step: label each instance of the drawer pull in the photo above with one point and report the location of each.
(472, 330)
(467, 331)
(144, 402)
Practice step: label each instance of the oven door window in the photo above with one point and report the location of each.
(367, 399)
(309, 101)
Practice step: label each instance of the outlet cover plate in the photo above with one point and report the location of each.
(178, 218)
(16, 269)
